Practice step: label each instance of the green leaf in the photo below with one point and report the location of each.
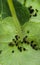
(22, 12)
(9, 27)
(4, 9)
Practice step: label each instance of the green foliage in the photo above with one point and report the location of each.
(4, 9)
(15, 20)
(22, 12)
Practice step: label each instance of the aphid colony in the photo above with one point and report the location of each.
(32, 11)
(16, 43)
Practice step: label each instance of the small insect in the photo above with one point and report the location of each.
(24, 49)
(32, 41)
(11, 44)
(17, 37)
(35, 15)
(16, 44)
(31, 11)
(12, 51)
(27, 31)
(22, 42)
(36, 10)
(25, 40)
(14, 40)
(29, 7)
(20, 49)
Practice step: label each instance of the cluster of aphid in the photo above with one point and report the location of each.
(16, 43)
(32, 11)
(25, 41)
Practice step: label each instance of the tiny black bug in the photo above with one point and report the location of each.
(11, 44)
(24, 39)
(12, 51)
(35, 15)
(24, 49)
(16, 44)
(17, 37)
(27, 31)
(36, 10)
(20, 49)
(29, 8)
(14, 40)
(22, 42)
(31, 11)
(32, 41)
(36, 48)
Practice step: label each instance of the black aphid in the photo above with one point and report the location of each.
(36, 48)
(32, 41)
(11, 44)
(14, 40)
(33, 46)
(26, 36)
(36, 10)
(16, 44)
(0, 51)
(12, 51)
(35, 15)
(28, 31)
(31, 11)
(20, 49)
(24, 49)
(17, 37)
(29, 7)
(24, 40)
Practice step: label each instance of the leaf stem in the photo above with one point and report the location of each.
(16, 21)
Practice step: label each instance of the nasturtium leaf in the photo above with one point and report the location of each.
(10, 55)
